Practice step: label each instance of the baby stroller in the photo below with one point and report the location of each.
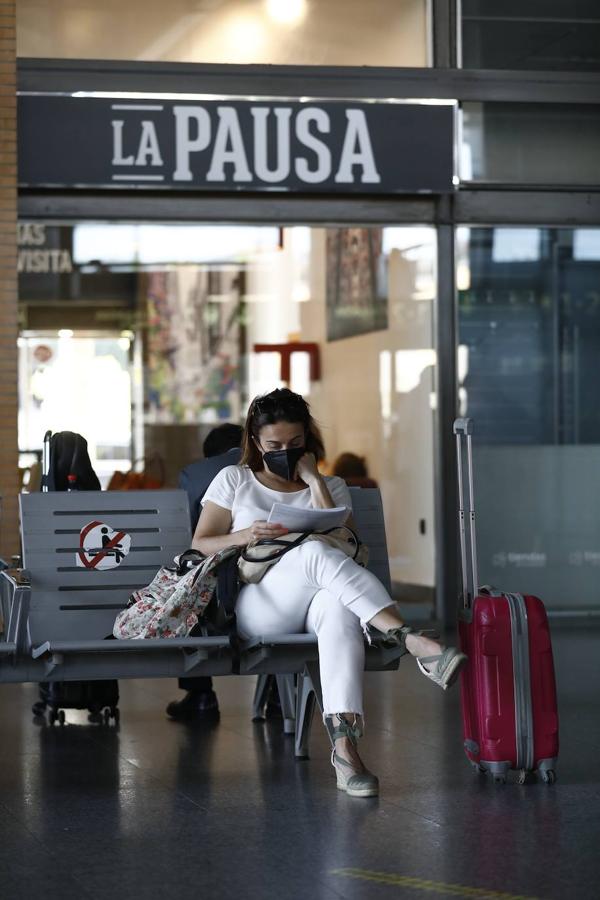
(67, 467)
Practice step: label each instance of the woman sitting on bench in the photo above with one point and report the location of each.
(314, 587)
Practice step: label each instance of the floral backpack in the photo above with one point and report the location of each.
(175, 600)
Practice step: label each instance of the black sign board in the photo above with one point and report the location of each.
(235, 145)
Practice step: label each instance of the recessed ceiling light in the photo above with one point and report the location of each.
(286, 12)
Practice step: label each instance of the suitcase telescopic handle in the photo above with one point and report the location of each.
(463, 426)
(463, 429)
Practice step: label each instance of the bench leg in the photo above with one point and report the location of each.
(260, 698)
(309, 695)
(286, 687)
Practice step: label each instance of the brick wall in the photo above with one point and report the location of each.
(8, 282)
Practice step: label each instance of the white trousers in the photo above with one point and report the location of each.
(318, 589)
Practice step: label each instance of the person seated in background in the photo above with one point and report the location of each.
(221, 448)
(353, 469)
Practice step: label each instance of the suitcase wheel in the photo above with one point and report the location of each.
(56, 715)
(548, 776)
(110, 712)
(499, 779)
(478, 769)
(525, 777)
(38, 708)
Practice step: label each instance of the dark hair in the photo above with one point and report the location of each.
(281, 405)
(222, 438)
(349, 465)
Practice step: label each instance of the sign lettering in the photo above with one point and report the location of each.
(40, 260)
(332, 146)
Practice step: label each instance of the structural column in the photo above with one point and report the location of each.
(446, 513)
(9, 543)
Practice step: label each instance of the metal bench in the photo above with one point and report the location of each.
(61, 611)
(63, 605)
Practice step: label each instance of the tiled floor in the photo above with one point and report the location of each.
(156, 809)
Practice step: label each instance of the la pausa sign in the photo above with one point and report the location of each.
(236, 145)
(215, 145)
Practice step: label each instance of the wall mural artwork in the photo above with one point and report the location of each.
(195, 322)
(356, 297)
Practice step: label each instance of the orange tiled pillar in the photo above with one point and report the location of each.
(8, 282)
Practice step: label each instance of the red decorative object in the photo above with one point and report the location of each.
(285, 354)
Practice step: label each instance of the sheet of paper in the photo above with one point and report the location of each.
(296, 519)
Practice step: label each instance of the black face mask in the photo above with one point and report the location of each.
(284, 462)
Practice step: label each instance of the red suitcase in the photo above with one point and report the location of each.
(508, 690)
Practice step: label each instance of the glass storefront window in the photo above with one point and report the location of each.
(526, 143)
(551, 35)
(529, 333)
(97, 402)
(212, 306)
(285, 32)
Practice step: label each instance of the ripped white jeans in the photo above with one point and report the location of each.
(318, 589)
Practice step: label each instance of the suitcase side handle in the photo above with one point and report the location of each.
(490, 591)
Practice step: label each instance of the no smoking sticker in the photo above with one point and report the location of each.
(101, 547)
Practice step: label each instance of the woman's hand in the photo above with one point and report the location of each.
(262, 529)
(306, 469)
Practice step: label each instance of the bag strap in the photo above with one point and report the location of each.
(187, 559)
(353, 536)
(283, 547)
(227, 593)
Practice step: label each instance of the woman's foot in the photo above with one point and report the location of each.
(443, 668)
(442, 665)
(351, 774)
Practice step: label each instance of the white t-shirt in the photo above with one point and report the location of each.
(236, 488)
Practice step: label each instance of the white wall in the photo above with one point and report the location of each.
(392, 429)
(373, 398)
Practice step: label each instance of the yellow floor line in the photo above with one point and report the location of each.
(434, 887)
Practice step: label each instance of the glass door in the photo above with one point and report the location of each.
(529, 365)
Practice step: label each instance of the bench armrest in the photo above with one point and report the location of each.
(136, 646)
(195, 650)
(283, 653)
(276, 640)
(16, 577)
(16, 606)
